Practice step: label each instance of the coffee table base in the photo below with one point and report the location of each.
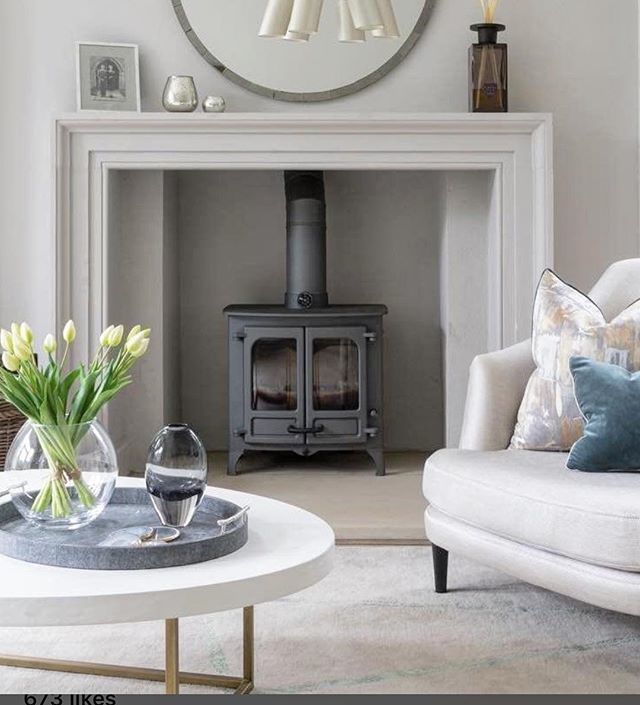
(171, 675)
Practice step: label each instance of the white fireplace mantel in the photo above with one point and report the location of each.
(516, 148)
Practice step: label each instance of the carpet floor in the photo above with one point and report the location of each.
(373, 626)
(342, 488)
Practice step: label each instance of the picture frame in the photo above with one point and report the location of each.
(107, 77)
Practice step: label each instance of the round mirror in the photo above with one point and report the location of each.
(336, 60)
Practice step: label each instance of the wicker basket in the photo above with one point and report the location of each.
(11, 421)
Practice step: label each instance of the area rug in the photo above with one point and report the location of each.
(373, 626)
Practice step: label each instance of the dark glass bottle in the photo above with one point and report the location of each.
(488, 71)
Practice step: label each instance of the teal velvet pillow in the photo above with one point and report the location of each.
(609, 398)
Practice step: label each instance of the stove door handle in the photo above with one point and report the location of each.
(305, 429)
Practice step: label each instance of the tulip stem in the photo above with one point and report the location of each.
(64, 357)
(59, 449)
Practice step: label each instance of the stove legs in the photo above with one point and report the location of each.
(378, 458)
(232, 461)
(234, 456)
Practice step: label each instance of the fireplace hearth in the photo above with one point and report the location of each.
(305, 376)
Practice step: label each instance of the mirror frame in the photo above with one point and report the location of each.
(295, 97)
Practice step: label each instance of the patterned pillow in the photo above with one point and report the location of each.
(567, 323)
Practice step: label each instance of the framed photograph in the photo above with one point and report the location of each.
(108, 76)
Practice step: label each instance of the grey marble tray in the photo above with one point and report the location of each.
(202, 540)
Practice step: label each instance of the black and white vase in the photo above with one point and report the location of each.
(176, 474)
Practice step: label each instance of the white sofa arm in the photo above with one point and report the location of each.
(496, 386)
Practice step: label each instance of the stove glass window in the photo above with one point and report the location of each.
(274, 368)
(335, 374)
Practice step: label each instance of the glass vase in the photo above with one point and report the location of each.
(176, 474)
(62, 476)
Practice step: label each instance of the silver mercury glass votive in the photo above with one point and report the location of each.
(180, 94)
(214, 104)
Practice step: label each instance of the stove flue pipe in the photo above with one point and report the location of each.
(306, 240)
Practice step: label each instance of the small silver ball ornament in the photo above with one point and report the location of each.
(213, 104)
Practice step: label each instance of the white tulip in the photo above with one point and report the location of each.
(139, 349)
(104, 336)
(10, 362)
(134, 331)
(115, 338)
(15, 331)
(69, 332)
(135, 340)
(21, 349)
(6, 340)
(26, 333)
(49, 344)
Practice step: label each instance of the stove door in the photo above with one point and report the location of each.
(336, 385)
(274, 385)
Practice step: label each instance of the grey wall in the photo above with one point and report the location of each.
(232, 250)
(577, 59)
(170, 279)
(143, 288)
(384, 247)
(384, 232)
(466, 270)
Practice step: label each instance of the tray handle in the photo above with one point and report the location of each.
(224, 524)
(13, 488)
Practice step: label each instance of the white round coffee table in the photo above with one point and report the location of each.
(288, 550)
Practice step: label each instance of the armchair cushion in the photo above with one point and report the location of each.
(531, 498)
(609, 399)
(566, 322)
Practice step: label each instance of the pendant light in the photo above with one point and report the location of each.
(389, 29)
(275, 21)
(366, 15)
(298, 20)
(305, 16)
(348, 31)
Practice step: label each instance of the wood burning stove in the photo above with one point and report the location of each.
(305, 376)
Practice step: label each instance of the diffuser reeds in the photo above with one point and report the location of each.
(489, 8)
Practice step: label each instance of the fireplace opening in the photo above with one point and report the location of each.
(183, 245)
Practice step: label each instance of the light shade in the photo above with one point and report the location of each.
(305, 16)
(390, 26)
(366, 15)
(296, 37)
(347, 31)
(277, 16)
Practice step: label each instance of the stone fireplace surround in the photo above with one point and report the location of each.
(514, 149)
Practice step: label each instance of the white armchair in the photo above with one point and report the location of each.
(523, 512)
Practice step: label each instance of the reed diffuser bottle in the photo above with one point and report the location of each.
(488, 65)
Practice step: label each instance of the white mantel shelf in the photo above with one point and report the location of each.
(516, 147)
(523, 123)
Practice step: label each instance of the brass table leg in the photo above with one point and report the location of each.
(172, 656)
(247, 652)
(171, 675)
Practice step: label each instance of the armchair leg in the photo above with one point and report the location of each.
(440, 565)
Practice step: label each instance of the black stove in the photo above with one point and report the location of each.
(305, 376)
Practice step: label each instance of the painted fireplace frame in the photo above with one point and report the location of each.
(516, 148)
